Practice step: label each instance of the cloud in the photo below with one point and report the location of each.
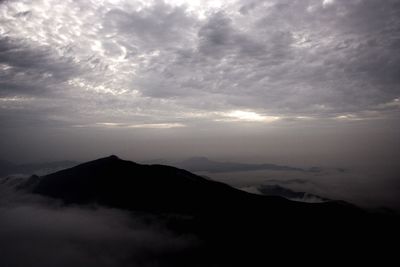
(150, 125)
(35, 230)
(363, 187)
(30, 71)
(277, 190)
(163, 64)
(286, 58)
(219, 38)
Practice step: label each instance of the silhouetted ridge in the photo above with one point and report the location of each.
(112, 157)
(232, 223)
(125, 184)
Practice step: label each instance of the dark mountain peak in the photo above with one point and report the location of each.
(109, 158)
(112, 162)
(213, 211)
(124, 184)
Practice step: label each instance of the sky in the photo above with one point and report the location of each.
(288, 81)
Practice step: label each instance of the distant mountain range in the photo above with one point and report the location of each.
(8, 168)
(203, 164)
(125, 184)
(194, 164)
(235, 227)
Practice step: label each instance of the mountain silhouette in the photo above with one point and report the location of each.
(124, 184)
(234, 226)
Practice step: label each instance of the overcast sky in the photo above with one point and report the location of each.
(165, 78)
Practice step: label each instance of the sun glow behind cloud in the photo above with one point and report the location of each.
(247, 116)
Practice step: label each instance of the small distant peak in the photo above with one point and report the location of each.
(109, 158)
(105, 160)
(198, 159)
(113, 157)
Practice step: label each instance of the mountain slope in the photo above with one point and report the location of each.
(235, 226)
(157, 188)
(124, 184)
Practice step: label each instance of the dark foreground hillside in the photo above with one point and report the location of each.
(235, 228)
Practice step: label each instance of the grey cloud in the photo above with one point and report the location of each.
(218, 37)
(36, 230)
(282, 77)
(75, 237)
(276, 57)
(248, 6)
(31, 71)
(159, 26)
(337, 59)
(358, 186)
(72, 64)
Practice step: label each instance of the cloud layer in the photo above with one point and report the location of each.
(39, 231)
(149, 63)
